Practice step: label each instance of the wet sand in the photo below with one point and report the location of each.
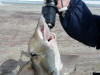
(17, 24)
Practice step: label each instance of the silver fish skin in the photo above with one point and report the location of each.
(43, 44)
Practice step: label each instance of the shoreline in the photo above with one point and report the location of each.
(88, 3)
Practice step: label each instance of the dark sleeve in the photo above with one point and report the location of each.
(71, 19)
(97, 17)
(79, 23)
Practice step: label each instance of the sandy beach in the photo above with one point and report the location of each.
(17, 24)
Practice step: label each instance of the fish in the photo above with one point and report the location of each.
(43, 47)
(46, 58)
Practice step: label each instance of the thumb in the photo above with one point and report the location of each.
(59, 4)
(62, 3)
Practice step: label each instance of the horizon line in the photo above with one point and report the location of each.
(94, 3)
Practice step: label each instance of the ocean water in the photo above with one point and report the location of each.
(88, 2)
(24, 2)
(91, 0)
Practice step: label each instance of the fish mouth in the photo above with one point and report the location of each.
(45, 31)
(47, 35)
(51, 37)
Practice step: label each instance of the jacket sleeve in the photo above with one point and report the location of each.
(79, 23)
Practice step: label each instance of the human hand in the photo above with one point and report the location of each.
(62, 4)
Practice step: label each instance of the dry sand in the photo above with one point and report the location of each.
(17, 23)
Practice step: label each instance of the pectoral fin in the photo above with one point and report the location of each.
(26, 69)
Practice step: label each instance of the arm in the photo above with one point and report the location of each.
(79, 23)
(73, 18)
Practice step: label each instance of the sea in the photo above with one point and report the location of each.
(95, 3)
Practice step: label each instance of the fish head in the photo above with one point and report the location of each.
(43, 38)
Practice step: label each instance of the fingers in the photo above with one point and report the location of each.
(59, 4)
(63, 3)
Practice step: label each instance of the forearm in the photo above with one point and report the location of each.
(76, 14)
(79, 23)
(72, 17)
